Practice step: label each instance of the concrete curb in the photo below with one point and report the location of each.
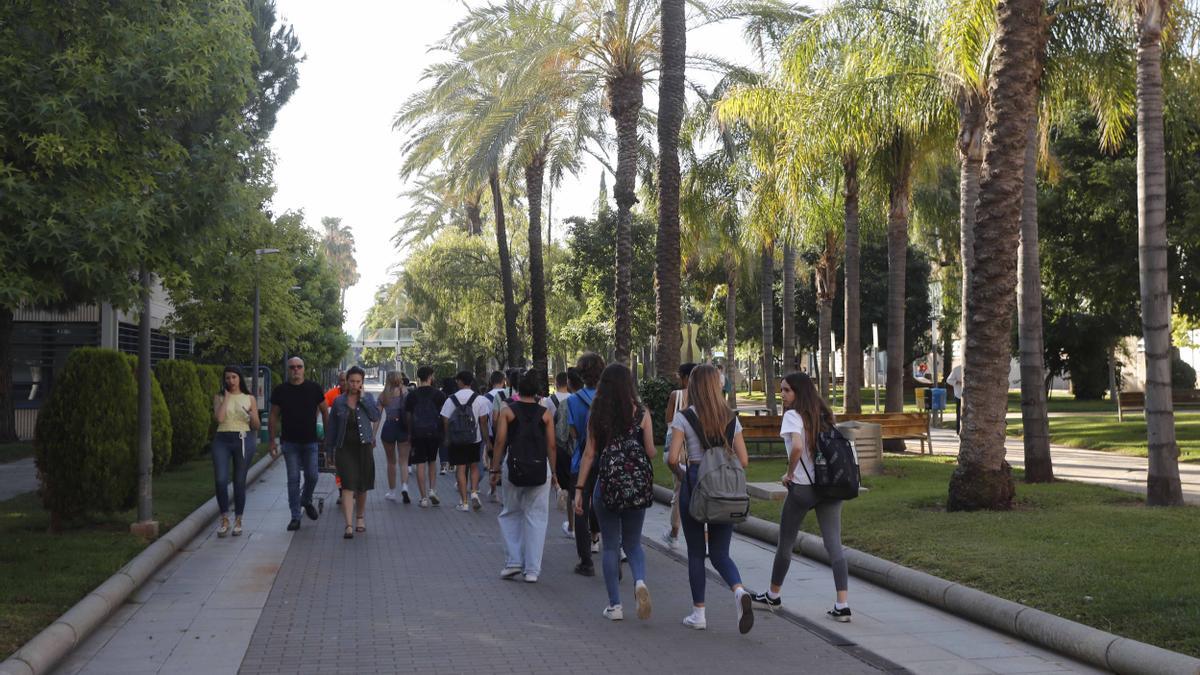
(42, 653)
(1089, 645)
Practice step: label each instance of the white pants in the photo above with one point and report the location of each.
(523, 523)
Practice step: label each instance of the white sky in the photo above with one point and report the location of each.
(336, 151)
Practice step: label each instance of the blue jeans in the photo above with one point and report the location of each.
(300, 456)
(719, 537)
(617, 531)
(229, 447)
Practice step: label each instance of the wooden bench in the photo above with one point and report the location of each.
(1180, 398)
(893, 426)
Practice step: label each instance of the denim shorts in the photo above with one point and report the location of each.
(393, 432)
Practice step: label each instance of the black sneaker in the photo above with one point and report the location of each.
(766, 601)
(585, 570)
(294, 525)
(842, 615)
(405, 497)
(310, 511)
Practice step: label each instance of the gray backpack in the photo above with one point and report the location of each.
(719, 493)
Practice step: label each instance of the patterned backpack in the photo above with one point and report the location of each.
(625, 472)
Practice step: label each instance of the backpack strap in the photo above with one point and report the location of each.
(690, 415)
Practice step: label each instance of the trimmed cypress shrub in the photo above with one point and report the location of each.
(160, 421)
(654, 392)
(85, 457)
(212, 381)
(190, 409)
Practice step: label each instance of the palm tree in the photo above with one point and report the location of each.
(1162, 481)
(438, 204)
(983, 478)
(670, 116)
(337, 241)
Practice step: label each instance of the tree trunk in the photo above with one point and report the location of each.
(826, 292)
(971, 119)
(899, 195)
(1162, 481)
(625, 95)
(534, 178)
(1034, 422)
(766, 296)
(474, 217)
(731, 369)
(8, 414)
(789, 307)
(511, 338)
(853, 338)
(670, 115)
(983, 479)
(145, 464)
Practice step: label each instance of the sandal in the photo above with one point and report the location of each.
(237, 527)
(362, 526)
(223, 530)
(349, 534)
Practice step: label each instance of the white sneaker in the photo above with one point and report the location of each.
(642, 594)
(694, 622)
(475, 503)
(567, 530)
(424, 503)
(671, 542)
(624, 558)
(745, 612)
(595, 546)
(390, 496)
(614, 613)
(510, 572)
(433, 498)
(462, 507)
(531, 578)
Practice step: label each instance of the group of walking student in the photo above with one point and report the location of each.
(591, 440)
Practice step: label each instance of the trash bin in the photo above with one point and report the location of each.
(867, 439)
(939, 399)
(263, 431)
(921, 400)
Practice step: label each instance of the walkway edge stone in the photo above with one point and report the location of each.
(1071, 638)
(46, 649)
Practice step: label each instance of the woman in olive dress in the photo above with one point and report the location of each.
(353, 422)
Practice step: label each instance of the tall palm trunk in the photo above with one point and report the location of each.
(8, 419)
(766, 297)
(983, 479)
(789, 307)
(625, 95)
(1035, 425)
(474, 211)
(853, 338)
(670, 115)
(511, 338)
(731, 331)
(971, 119)
(826, 291)
(535, 173)
(899, 196)
(1162, 479)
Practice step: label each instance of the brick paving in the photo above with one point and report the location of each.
(420, 592)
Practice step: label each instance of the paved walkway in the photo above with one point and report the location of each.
(17, 478)
(1088, 466)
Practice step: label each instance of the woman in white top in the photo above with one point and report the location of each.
(806, 414)
(677, 401)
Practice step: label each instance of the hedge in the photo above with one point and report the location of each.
(86, 436)
(654, 392)
(190, 409)
(160, 421)
(212, 381)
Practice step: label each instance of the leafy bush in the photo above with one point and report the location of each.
(86, 454)
(212, 381)
(654, 392)
(160, 421)
(189, 408)
(1183, 375)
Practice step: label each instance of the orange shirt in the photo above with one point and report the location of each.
(331, 395)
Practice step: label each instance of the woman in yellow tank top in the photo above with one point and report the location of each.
(236, 413)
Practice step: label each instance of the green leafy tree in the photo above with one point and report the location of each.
(188, 407)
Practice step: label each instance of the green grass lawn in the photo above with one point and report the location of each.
(11, 452)
(1104, 432)
(44, 574)
(1088, 553)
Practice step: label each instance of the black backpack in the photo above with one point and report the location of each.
(526, 452)
(462, 428)
(427, 419)
(835, 466)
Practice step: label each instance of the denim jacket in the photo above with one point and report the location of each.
(339, 415)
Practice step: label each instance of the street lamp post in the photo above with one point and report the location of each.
(258, 253)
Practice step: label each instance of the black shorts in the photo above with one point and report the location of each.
(393, 432)
(424, 450)
(464, 454)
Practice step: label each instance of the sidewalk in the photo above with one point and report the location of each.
(17, 478)
(420, 591)
(1088, 466)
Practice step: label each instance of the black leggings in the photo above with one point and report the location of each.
(800, 500)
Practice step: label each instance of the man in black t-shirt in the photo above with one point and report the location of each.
(296, 403)
(423, 406)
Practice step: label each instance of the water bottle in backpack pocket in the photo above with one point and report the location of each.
(719, 493)
(835, 466)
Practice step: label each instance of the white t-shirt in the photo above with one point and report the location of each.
(794, 424)
(480, 408)
(955, 380)
(552, 401)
